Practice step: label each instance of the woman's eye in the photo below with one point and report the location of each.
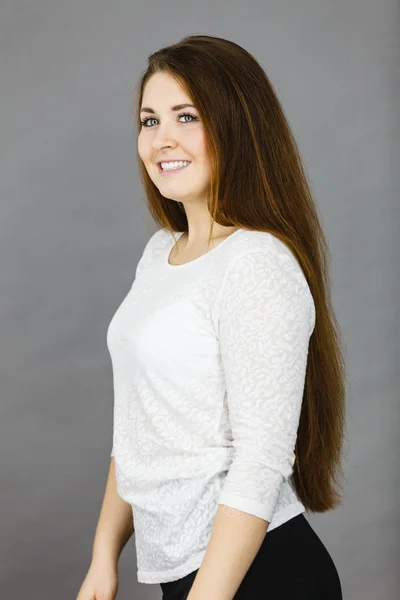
(145, 121)
(188, 115)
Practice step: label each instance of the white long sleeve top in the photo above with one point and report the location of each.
(209, 361)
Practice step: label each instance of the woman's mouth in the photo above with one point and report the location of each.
(175, 169)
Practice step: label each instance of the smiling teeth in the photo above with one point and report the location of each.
(168, 166)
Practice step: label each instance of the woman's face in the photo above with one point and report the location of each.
(170, 134)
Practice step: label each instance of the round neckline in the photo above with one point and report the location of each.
(195, 260)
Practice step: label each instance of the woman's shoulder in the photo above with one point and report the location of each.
(256, 245)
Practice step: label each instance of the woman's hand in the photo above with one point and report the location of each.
(100, 583)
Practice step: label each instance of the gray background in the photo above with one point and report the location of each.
(73, 225)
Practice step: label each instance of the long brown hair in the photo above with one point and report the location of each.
(258, 182)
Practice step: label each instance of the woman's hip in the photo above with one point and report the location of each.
(292, 563)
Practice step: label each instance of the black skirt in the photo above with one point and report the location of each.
(291, 564)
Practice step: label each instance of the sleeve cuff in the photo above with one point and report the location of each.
(253, 507)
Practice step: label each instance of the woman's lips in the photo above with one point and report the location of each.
(170, 171)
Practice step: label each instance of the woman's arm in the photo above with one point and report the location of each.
(235, 540)
(115, 525)
(265, 311)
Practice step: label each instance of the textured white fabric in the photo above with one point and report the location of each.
(209, 361)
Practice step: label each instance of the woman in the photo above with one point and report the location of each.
(229, 395)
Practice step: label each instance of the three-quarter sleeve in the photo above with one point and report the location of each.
(266, 316)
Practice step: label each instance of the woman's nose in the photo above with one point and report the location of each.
(163, 137)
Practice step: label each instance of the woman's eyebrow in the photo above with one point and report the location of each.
(176, 107)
